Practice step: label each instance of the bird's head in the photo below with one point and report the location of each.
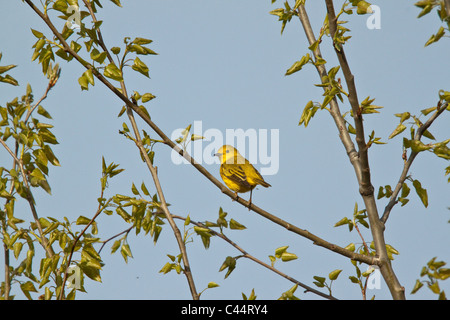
(229, 154)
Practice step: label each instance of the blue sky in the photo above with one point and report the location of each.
(223, 63)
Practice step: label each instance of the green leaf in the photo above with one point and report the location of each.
(83, 82)
(212, 285)
(115, 246)
(3, 69)
(9, 80)
(400, 128)
(147, 97)
(435, 37)
(342, 222)
(115, 50)
(117, 3)
(37, 174)
(287, 256)
(91, 271)
(350, 247)
(334, 274)
(417, 286)
(89, 76)
(279, 251)
(140, 67)
(428, 110)
(403, 116)
(134, 189)
(28, 287)
(37, 34)
(144, 189)
(354, 279)
(17, 248)
(98, 56)
(391, 251)
(415, 145)
(196, 137)
(125, 251)
(443, 273)
(405, 190)
(230, 264)
(111, 71)
(236, 225)
(363, 7)
(442, 151)
(421, 192)
(83, 220)
(298, 3)
(308, 112)
(320, 280)
(43, 112)
(141, 41)
(251, 297)
(298, 65)
(435, 287)
(205, 235)
(166, 268)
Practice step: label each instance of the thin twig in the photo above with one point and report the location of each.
(115, 236)
(69, 260)
(245, 254)
(50, 85)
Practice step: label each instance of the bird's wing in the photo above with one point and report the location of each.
(236, 173)
(262, 181)
(256, 177)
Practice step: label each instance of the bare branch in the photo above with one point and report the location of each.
(115, 236)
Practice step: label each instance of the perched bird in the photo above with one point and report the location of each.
(238, 173)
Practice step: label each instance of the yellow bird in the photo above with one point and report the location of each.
(238, 173)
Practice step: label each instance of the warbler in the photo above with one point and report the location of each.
(238, 173)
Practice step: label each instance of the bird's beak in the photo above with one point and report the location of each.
(216, 154)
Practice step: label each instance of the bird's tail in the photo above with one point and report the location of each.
(264, 184)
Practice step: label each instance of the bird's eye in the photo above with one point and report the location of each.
(228, 151)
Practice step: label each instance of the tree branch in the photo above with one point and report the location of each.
(365, 186)
(43, 240)
(334, 110)
(177, 233)
(245, 254)
(447, 8)
(115, 236)
(393, 200)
